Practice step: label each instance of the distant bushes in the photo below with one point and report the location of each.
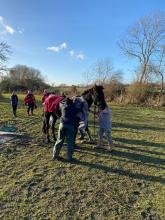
(144, 94)
(22, 78)
(114, 91)
(136, 93)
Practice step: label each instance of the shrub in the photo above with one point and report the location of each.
(162, 100)
(139, 93)
(114, 91)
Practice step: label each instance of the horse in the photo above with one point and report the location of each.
(52, 107)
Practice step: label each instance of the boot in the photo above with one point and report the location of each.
(110, 147)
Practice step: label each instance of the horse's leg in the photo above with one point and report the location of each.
(89, 134)
(47, 118)
(81, 137)
(53, 126)
(44, 123)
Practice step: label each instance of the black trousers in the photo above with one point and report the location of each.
(30, 108)
(14, 107)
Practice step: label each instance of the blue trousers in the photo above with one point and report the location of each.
(107, 132)
(65, 131)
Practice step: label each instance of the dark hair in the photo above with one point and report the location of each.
(69, 101)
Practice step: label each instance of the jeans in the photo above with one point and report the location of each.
(107, 133)
(65, 131)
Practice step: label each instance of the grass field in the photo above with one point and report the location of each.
(128, 183)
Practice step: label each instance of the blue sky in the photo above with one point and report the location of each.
(63, 38)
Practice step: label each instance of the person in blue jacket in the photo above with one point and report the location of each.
(66, 129)
(14, 102)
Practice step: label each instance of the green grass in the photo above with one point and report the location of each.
(128, 183)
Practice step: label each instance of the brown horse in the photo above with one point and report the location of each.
(94, 95)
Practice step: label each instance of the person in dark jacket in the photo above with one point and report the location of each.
(30, 101)
(66, 129)
(14, 102)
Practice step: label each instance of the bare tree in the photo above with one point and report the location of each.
(102, 73)
(99, 72)
(161, 67)
(4, 53)
(22, 72)
(103, 70)
(21, 76)
(158, 68)
(144, 40)
(88, 77)
(116, 77)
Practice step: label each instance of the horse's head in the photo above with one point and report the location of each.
(98, 96)
(95, 95)
(87, 94)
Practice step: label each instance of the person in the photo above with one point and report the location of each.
(45, 95)
(66, 129)
(83, 119)
(104, 117)
(14, 102)
(30, 101)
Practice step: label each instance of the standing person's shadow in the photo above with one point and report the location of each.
(131, 154)
(121, 172)
(137, 127)
(143, 143)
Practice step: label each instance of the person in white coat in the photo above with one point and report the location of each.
(104, 117)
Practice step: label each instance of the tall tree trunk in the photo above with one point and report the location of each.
(143, 72)
(162, 82)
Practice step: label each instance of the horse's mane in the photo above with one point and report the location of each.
(98, 87)
(86, 92)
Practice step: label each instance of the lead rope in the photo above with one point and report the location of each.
(94, 122)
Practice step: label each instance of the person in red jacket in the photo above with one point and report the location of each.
(30, 102)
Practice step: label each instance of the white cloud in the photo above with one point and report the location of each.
(20, 30)
(6, 28)
(71, 52)
(80, 56)
(63, 46)
(9, 29)
(57, 49)
(77, 55)
(54, 49)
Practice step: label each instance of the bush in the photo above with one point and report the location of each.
(139, 93)
(162, 100)
(114, 91)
